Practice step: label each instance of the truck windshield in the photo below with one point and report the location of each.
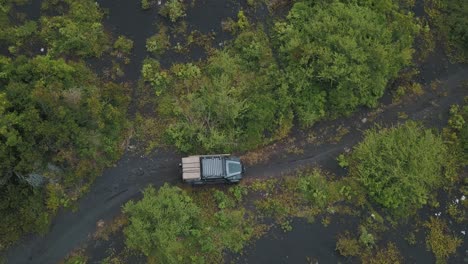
(233, 168)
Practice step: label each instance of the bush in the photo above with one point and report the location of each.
(145, 4)
(173, 9)
(388, 255)
(315, 188)
(347, 246)
(170, 226)
(56, 114)
(23, 211)
(161, 223)
(400, 166)
(451, 20)
(159, 43)
(234, 102)
(440, 241)
(338, 56)
(76, 32)
(124, 45)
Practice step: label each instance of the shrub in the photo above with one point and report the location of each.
(153, 74)
(440, 241)
(347, 246)
(314, 187)
(123, 44)
(338, 56)
(173, 9)
(233, 102)
(76, 32)
(145, 4)
(161, 223)
(366, 238)
(451, 20)
(159, 43)
(388, 255)
(23, 211)
(400, 166)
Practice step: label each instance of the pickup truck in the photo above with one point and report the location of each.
(203, 169)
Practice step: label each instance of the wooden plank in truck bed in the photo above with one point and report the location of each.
(191, 168)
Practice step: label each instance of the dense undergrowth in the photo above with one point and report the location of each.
(60, 124)
(323, 60)
(449, 18)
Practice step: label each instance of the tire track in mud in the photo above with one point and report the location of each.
(117, 185)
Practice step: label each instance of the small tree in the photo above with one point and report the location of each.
(400, 166)
(440, 241)
(161, 223)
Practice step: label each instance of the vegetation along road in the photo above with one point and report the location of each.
(350, 115)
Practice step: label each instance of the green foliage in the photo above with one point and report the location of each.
(366, 238)
(15, 32)
(231, 103)
(54, 112)
(314, 187)
(456, 120)
(338, 56)
(173, 9)
(400, 166)
(158, 43)
(388, 255)
(76, 259)
(145, 4)
(348, 246)
(223, 200)
(242, 21)
(342, 161)
(123, 45)
(440, 241)
(161, 223)
(450, 17)
(78, 31)
(238, 192)
(23, 211)
(153, 74)
(170, 226)
(456, 134)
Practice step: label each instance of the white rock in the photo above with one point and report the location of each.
(456, 201)
(42, 49)
(463, 198)
(159, 2)
(364, 120)
(463, 232)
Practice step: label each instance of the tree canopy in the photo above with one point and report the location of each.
(161, 222)
(340, 55)
(232, 102)
(60, 124)
(400, 166)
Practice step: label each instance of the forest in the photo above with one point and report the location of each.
(69, 110)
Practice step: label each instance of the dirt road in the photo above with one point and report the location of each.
(70, 229)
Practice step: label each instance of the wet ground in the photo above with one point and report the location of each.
(306, 243)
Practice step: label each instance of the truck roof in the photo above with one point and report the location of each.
(213, 167)
(209, 167)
